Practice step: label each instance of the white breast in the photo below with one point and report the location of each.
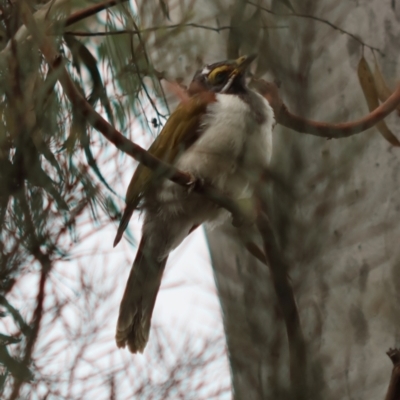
(233, 147)
(230, 154)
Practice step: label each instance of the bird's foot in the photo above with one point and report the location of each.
(194, 184)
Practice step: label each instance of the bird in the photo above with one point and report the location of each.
(221, 135)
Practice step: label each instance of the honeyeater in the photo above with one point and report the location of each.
(222, 135)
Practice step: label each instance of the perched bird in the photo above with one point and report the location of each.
(222, 134)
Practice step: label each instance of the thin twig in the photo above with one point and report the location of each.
(37, 318)
(92, 10)
(158, 28)
(318, 19)
(46, 264)
(149, 66)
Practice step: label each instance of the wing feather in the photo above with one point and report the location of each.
(182, 129)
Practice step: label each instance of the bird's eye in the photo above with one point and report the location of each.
(220, 77)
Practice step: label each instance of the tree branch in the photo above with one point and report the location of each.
(393, 392)
(46, 265)
(324, 129)
(158, 28)
(89, 11)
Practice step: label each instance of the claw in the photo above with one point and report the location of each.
(194, 183)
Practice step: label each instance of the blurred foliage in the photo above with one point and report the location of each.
(46, 183)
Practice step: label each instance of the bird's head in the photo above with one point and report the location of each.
(223, 77)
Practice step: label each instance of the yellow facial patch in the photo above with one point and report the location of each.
(219, 74)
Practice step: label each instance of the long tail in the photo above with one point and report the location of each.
(137, 304)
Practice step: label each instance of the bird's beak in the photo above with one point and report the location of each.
(242, 63)
(240, 67)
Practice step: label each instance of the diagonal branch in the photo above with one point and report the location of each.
(92, 10)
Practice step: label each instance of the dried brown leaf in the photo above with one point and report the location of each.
(371, 95)
(384, 92)
(381, 86)
(165, 9)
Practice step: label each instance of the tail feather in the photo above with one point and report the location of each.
(138, 302)
(124, 223)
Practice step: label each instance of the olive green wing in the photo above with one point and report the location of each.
(180, 132)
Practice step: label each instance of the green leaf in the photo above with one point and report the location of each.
(15, 367)
(78, 128)
(84, 137)
(82, 55)
(43, 149)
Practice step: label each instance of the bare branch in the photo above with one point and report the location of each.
(89, 11)
(159, 28)
(393, 392)
(324, 129)
(46, 264)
